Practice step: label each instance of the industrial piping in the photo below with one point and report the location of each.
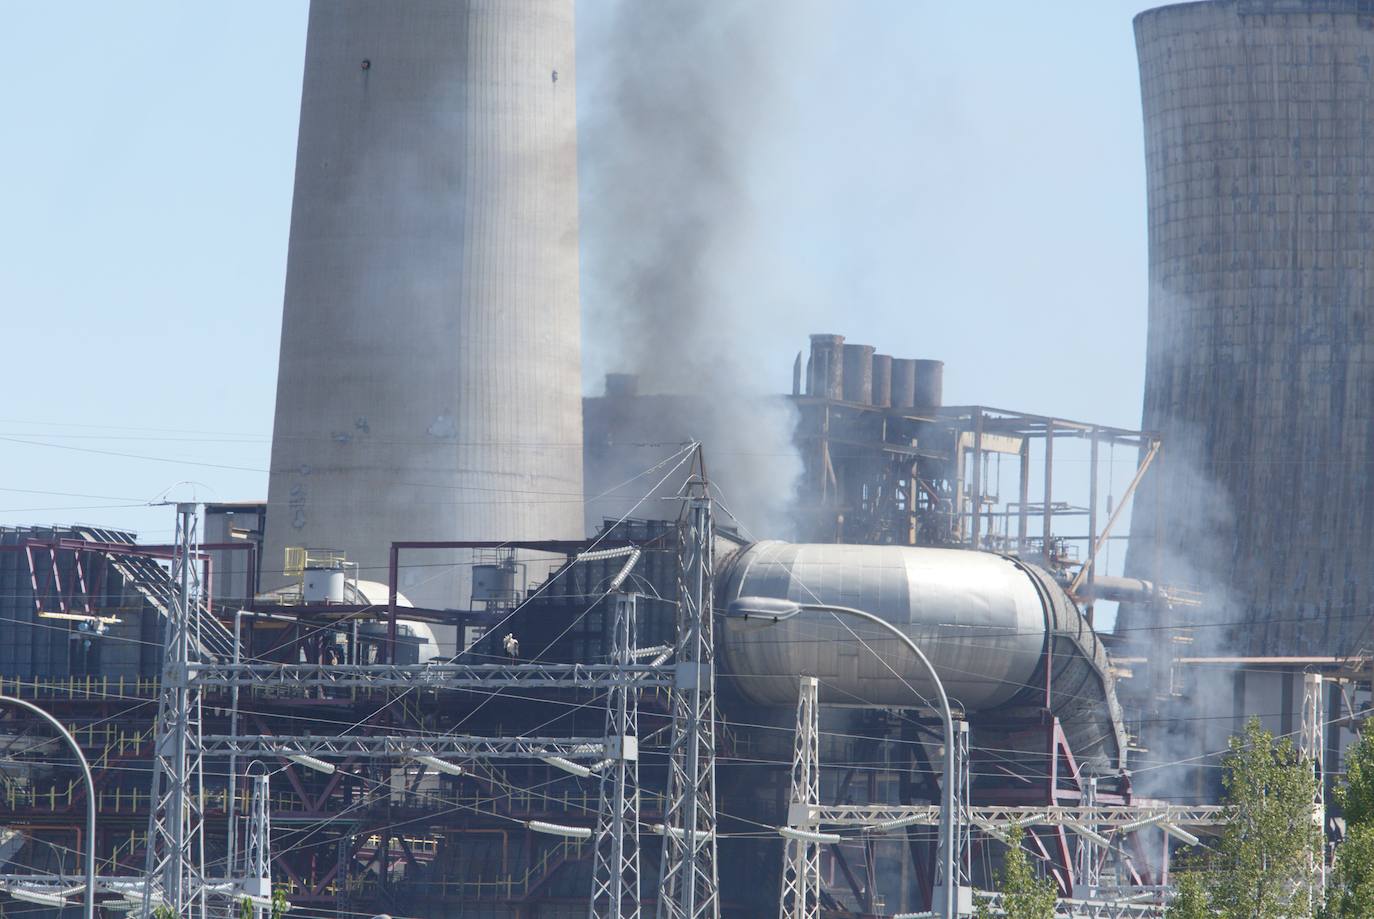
(992, 627)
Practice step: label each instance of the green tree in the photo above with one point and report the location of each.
(1024, 896)
(1191, 899)
(1263, 863)
(1356, 796)
(279, 905)
(1350, 887)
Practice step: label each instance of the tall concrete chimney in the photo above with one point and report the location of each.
(430, 382)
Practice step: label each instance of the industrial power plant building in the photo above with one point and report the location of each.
(472, 657)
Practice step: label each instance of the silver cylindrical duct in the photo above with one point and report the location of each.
(980, 618)
(1002, 635)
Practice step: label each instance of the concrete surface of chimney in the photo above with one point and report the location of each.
(430, 378)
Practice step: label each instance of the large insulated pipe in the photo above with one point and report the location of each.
(825, 371)
(903, 383)
(882, 380)
(1001, 634)
(858, 373)
(980, 618)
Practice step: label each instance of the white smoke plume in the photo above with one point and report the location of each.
(1183, 536)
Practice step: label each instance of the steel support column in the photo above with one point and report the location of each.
(801, 859)
(689, 887)
(175, 861)
(615, 857)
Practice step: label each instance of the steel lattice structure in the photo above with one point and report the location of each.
(257, 849)
(402, 746)
(431, 676)
(688, 882)
(801, 858)
(1311, 745)
(1108, 816)
(175, 860)
(615, 857)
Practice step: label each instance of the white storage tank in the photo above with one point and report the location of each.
(323, 585)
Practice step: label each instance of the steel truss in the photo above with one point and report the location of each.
(431, 676)
(688, 882)
(401, 746)
(801, 858)
(175, 861)
(1312, 747)
(176, 876)
(1071, 908)
(1106, 816)
(257, 848)
(615, 865)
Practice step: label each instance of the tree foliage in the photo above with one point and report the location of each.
(1191, 899)
(1350, 887)
(1356, 796)
(280, 907)
(1024, 896)
(1263, 864)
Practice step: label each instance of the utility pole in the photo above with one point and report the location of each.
(801, 858)
(257, 848)
(1312, 747)
(688, 884)
(174, 873)
(615, 866)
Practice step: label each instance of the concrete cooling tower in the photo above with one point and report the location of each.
(430, 380)
(1259, 143)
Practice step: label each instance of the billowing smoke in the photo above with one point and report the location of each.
(1183, 537)
(673, 97)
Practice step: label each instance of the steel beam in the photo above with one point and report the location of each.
(408, 745)
(431, 676)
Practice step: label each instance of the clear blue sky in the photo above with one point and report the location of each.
(966, 177)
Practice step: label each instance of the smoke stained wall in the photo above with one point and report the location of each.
(430, 360)
(1260, 358)
(669, 134)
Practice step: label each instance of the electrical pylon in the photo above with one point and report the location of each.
(1311, 745)
(174, 874)
(801, 859)
(688, 886)
(615, 866)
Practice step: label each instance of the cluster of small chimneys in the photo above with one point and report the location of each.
(853, 373)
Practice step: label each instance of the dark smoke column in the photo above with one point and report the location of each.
(1259, 144)
(430, 357)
